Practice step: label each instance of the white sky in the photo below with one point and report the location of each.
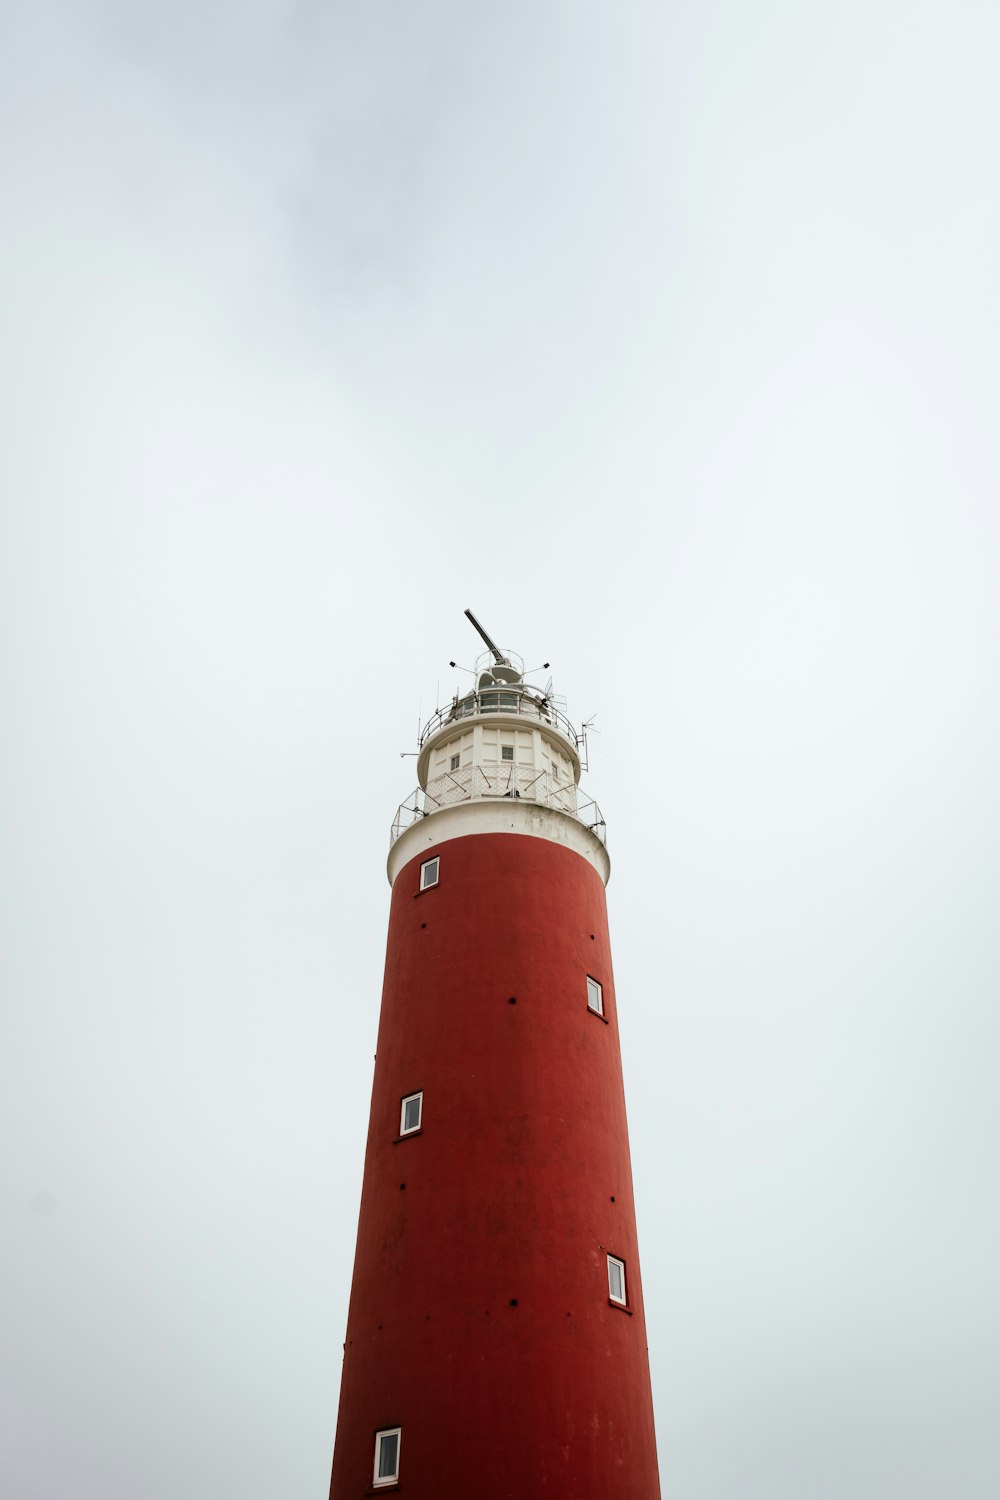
(667, 339)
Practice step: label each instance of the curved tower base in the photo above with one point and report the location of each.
(496, 1344)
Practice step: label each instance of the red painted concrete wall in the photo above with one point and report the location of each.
(517, 1188)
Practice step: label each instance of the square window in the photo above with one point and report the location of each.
(595, 996)
(506, 752)
(387, 1455)
(429, 873)
(455, 761)
(410, 1114)
(616, 1280)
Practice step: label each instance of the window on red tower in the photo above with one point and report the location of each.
(429, 871)
(387, 1455)
(411, 1113)
(595, 996)
(616, 1280)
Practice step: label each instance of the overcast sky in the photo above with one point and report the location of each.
(666, 337)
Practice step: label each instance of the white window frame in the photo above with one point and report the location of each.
(430, 873)
(595, 993)
(622, 1301)
(456, 761)
(379, 1481)
(408, 1099)
(504, 755)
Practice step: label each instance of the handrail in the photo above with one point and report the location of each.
(562, 796)
(511, 698)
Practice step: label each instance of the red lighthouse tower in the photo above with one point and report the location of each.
(496, 1344)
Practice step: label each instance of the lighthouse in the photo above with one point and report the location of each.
(496, 1341)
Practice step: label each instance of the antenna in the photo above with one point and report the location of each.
(581, 741)
(500, 659)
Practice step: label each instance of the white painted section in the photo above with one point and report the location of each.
(497, 754)
(478, 741)
(500, 816)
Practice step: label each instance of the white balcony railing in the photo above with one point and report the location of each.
(514, 698)
(494, 783)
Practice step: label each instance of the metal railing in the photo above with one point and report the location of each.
(474, 783)
(508, 699)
